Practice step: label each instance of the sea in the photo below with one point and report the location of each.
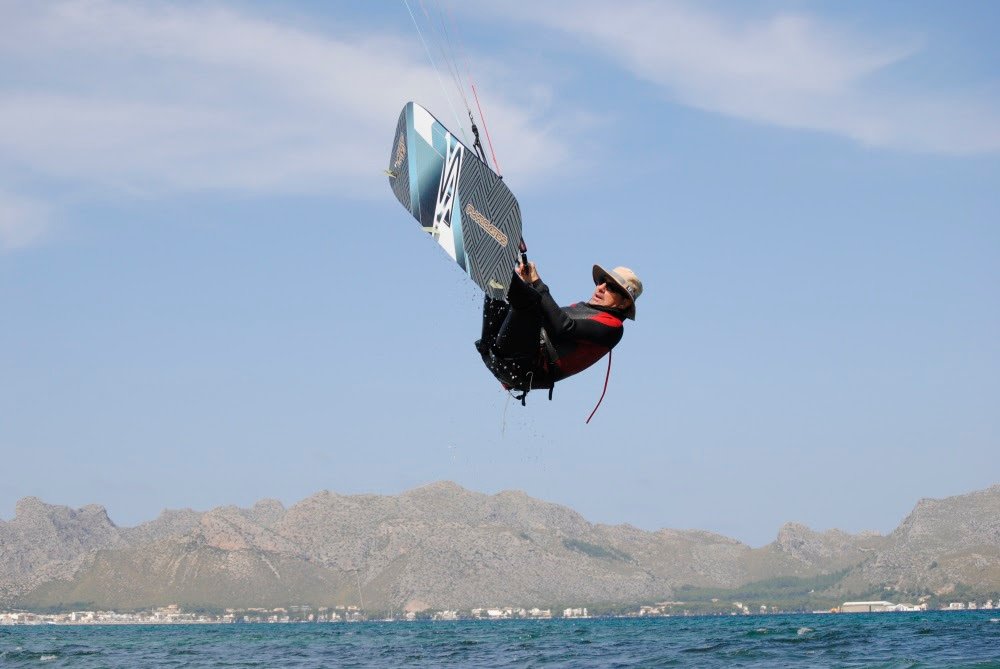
(898, 640)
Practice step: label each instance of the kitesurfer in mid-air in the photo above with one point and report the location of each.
(529, 342)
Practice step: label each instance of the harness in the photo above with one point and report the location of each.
(543, 361)
(516, 375)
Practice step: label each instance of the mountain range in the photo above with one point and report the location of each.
(441, 546)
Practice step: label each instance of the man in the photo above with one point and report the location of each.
(528, 341)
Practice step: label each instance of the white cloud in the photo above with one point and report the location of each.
(23, 222)
(788, 70)
(154, 98)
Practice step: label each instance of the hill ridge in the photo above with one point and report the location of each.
(446, 546)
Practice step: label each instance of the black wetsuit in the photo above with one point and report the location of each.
(528, 341)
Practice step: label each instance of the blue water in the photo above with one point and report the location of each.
(953, 639)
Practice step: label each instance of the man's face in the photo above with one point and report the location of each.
(609, 295)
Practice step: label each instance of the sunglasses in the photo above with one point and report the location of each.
(613, 287)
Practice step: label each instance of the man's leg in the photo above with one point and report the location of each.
(519, 334)
(511, 334)
(494, 314)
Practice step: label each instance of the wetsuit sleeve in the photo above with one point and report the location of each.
(602, 329)
(555, 321)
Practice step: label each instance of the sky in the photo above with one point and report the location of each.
(210, 296)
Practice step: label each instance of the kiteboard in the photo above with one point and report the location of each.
(457, 199)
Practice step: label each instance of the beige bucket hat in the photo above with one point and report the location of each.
(625, 279)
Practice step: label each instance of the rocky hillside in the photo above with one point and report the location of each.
(801, 552)
(441, 546)
(941, 544)
(45, 542)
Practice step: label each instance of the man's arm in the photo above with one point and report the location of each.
(602, 329)
(555, 321)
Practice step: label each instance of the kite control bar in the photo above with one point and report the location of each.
(477, 145)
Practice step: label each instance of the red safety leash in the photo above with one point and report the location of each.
(606, 377)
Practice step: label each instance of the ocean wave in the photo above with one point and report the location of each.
(893, 642)
(705, 648)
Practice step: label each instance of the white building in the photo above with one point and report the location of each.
(866, 607)
(907, 607)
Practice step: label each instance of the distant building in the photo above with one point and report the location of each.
(908, 607)
(866, 607)
(575, 613)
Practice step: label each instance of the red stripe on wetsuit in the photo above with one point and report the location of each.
(581, 333)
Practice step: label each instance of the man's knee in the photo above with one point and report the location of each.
(521, 295)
